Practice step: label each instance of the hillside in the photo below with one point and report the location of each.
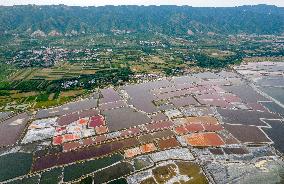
(172, 20)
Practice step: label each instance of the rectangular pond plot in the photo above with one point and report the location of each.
(194, 127)
(209, 139)
(246, 93)
(216, 151)
(246, 117)
(130, 132)
(88, 113)
(206, 75)
(159, 125)
(141, 98)
(203, 120)
(159, 117)
(184, 101)
(227, 74)
(77, 155)
(197, 111)
(14, 164)
(163, 90)
(68, 119)
(229, 97)
(146, 138)
(174, 94)
(51, 176)
(220, 82)
(172, 154)
(36, 134)
(235, 81)
(274, 92)
(112, 105)
(262, 66)
(75, 171)
(96, 121)
(180, 130)
(28, 179)
(5, 115)
(247, 134)
(275, 133)
(11, 129)
(144, 103)
(209, 96)
(168, 143)
(121, 118)
(83, 154)
(132, 152)
(109, 95)
(163, 134)
(147, 148)
(256, 106)
(155, 84)
(68, 146)
(166, 107)
(46, 151)
(189, 87)
(271, 81)
(273, 107)
(72, 156)
(228, 138)
(237, 151)
(212, 128)
(185, 80)
(113, 172)
(84, 104)
(45, 162)
(125, 143)
(205, 89)
(96, 151)
(204, 140)
(215, 103)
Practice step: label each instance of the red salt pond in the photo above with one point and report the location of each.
(132, 152)
(203, 120)
(204, 140)
(212, 128)
(101, 129)
(180, 130)
(70, 137)
(83, 121)
(96, 121)
(147, 148)
(196, 127)
(159, 125)
(58, 140)
(68, 146)
(168, 143)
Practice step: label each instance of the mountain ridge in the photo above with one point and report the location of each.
(166, 19)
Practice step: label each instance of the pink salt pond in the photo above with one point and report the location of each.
(96, 121)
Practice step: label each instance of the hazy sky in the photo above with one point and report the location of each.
(211, 3)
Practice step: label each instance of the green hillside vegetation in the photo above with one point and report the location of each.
(261, 19)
